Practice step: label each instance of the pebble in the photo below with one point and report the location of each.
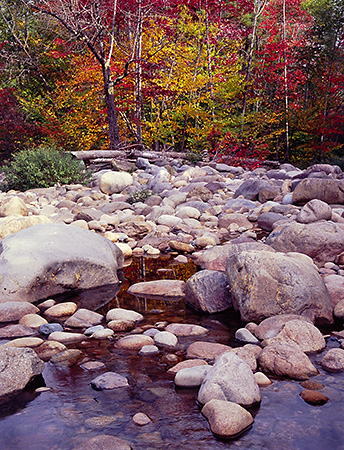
(141, 419)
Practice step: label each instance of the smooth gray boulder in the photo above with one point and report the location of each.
(313, 211)
(231, 379)
(50, 259)
(207, 291)
(326, 189)
(18, 366)
(265, 284)
(323, 241)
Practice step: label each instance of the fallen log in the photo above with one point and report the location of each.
(112, 154)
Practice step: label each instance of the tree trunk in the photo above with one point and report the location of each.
(113, 130)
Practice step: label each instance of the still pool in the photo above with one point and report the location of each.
(71, 412)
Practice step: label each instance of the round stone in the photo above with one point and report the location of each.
(313, 397)
(141, 419)
(166, 339)
(134, 342)
(61, 310)
(32, 320)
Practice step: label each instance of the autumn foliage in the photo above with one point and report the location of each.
(246, 80)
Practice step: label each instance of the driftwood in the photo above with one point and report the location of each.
(122, 154)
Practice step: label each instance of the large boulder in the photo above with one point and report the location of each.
(323, 241)
(286, 360)
(50, 259)
(250, 188)
(18, 366)
(265, 284)
(115, 182)
(230, 379)
(207, 291)
(326, 189)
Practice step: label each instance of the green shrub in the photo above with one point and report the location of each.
(43, 167)
(139, 196)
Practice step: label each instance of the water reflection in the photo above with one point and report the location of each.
(72, 412)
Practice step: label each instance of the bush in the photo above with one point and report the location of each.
(43, 167)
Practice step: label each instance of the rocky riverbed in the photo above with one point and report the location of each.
(270, 248)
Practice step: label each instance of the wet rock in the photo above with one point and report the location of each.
(97, 422)
(244, 335)
(114, 182)
(165, 339)
(338, 311)
(18, 366)
(286, 360)
(61, 310)
(188, 363)
(191, 376)
(123, 314)
(333, 361)
(261, 379)
(226, 419)
(323, 241)
(304, 334)
(65, 337)
(167, 289)
(32, 320)
(215, 258)
(270, 327)
(49, 349)
(17, 330)
(105, 333)
(13, 311)
(67, 357)
(31, 342)
(55, 258)
(93, 365)
(141, 419)
(264, 284)
(134, 342)
(207, 291)
(312, 385)
(313, 211)
(231, 379)
(149, 350)
(186, 329)
(326, 189)
(89, 331)
(83, 318)
(49, 328)
(109, 380)
(121, 325)
(206, 350)
(180, 246)
(103, 442)
(313, 397)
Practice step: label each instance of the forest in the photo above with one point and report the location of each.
(242, 80)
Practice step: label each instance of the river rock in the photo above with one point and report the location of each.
(134, 342)
(109, 380)
(326, 189)
(31, 342)
(264, 284)
(333, 361)
(65, 337)
(304, 334)
(12, 224)
(49, 349)
(121, 325)
(206, 350)
(286, 360)
(149, 350)
(61, 310)
(83, 318)
(16, 330)
(32, 320)
(335, 286)
(11, 311)
(188, 363)
(18, 366)
(49, 328)
(207, 291)
(244, 335)
(250, 188)
(113, 182)
(186, 329)
(67, 357)
(103, 442)
(165, 339)
(215, 258)
(55, 258)
(313, 397)
(270, 327)
(126, 315)
(313, 211)
(166, 289)
(246, 355)
(338, 311)
(191, 376)
(266, 220)
(231, 379)
(261, 379)
(323, 241)
(226, 419)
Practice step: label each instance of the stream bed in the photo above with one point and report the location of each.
(70, 412)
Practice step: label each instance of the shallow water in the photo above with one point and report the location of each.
(72, 412)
